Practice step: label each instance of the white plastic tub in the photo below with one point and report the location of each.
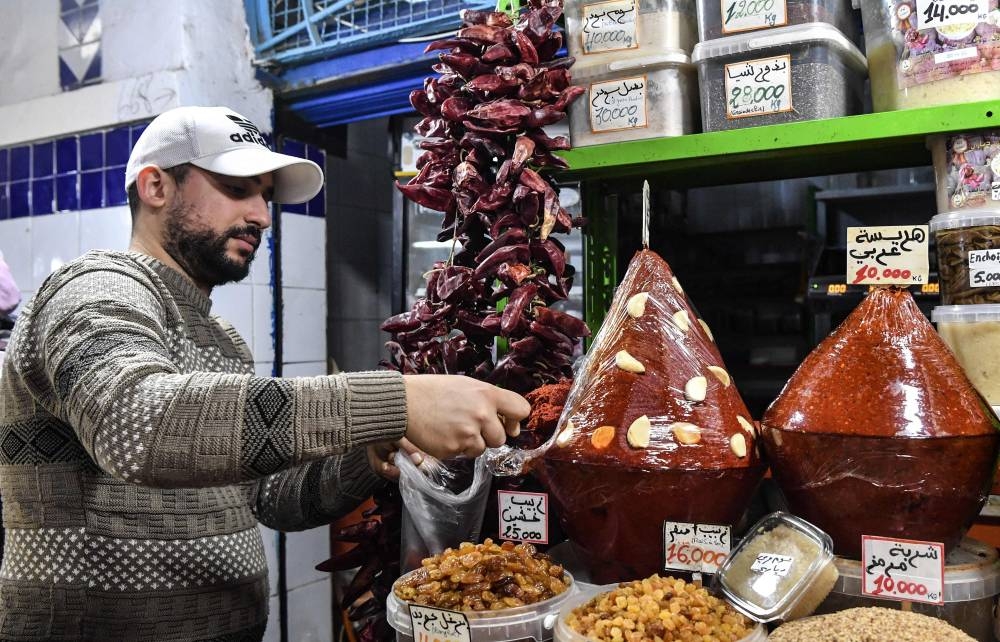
(599, 31)
(721, 18)
(967, 170)
(957, 60)
(634, 99)
(968, 254)
(973, 334)
(788, 74)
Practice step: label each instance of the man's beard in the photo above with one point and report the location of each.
(201, 252)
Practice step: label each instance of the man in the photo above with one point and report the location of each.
(137, 449)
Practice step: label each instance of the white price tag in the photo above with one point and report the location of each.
(934, 14)
(438, 625)
(759, 87)
(610, 26)
(902, 569)
(745, 15)
(984, 268)
(699, 548)
(618, 104)
(887, 255)
(524, 517)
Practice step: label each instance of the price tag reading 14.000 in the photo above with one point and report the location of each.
(902, 569)
(699, 548)
(887, 255)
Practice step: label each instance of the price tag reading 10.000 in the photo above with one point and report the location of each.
(887, 255)
(438, 625)
(699, 548)
(902, 569)
(524, 517)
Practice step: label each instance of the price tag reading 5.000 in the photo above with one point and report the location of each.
(700, 548)
(524, 517)
(759, 87)
(887, 255)
(902, 569)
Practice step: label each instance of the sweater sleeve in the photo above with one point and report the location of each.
(314, 494)
(109, 366)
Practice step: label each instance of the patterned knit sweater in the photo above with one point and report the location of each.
(138, 452)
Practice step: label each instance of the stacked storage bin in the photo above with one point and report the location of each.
(633, 59)
(762, 62)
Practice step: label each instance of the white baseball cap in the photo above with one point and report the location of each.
(220, 140)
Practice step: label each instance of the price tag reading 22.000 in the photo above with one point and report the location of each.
(438, 625)
(887, 255)
(524, 517)
(699, 548)
(758, 87)
(902, 569)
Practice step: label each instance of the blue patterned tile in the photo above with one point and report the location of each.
(116, 146)
(114, 186)
(296, 208)
(91, 190)
(4, 202)
(87, 3)
(92, 151)
(20, 200)
(294, 148)
(317, 206)
(72, 18)
(67, 5)
(20, 163)
(67, 79)
(43, 196)
(66, 155)
(4, 155)
(42, 155)
(67, 194)
(137, 132)
(94, 70)
(316, 155)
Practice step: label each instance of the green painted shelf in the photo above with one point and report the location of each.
(811, 148)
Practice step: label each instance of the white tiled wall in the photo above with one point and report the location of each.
(303, 277)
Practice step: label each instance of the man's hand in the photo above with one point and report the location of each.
(449, 415)
(382, 457)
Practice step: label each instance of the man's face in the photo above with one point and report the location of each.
(215, 223)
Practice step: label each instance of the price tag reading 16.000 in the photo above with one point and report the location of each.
(887, 255)
(699, 548)
(902, 569)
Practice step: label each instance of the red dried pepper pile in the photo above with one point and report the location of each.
(500, 84)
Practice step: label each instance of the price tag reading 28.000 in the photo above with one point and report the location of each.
(902, 569)
(438, 625)
(759, 87)
(524, 517)
(699, 548)
(887, 255)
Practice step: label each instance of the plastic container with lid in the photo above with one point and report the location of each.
(721, 18)
(530, 622)
(782, 75)
(967, 170)
(634, 99)
(971, 584)
(973, 334)
(968, 251)
(781, 570)
(602, 31)
(916, 64)
(565, 633)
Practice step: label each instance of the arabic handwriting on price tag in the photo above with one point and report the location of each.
(902, 569)
(758, 87)
(744, 15)
(438, 625)
(618, 104)
(984, 268)
(699, 548)
(609, 26)
(887, 255)
(524, 517)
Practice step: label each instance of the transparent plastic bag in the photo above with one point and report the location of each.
(443, 505)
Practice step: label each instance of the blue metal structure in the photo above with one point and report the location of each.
(296, 31)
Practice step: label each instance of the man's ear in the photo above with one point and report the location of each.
(154, 187)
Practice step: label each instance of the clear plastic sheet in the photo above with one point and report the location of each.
(653, 429)
(443, 505)
(880, 432)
